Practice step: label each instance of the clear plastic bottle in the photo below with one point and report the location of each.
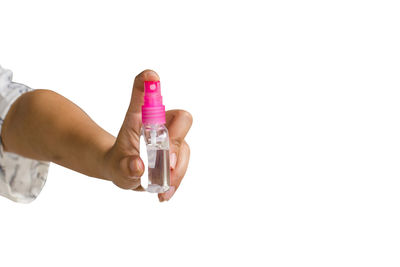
(156, 138)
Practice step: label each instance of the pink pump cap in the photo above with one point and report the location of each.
(153, 110)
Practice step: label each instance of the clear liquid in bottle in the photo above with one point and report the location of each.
(158, 171)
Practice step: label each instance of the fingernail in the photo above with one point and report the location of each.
(172, 160)
(167, 195)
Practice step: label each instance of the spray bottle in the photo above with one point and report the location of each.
(155, 135)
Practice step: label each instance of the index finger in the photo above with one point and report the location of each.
(178, 123)
(138, 89)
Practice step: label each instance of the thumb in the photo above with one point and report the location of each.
(138, 89)
(129, 135)
(130, 170)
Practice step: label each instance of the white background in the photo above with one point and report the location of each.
(295, 141)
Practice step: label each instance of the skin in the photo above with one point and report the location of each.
(46, 126)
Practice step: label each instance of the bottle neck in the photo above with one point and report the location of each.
(153, 125)
(153, 115)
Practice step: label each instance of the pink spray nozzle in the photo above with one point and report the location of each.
(153, 110)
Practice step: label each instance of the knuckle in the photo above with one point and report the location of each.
(177, 142)
(186, 115)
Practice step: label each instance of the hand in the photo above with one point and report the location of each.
(125, 166)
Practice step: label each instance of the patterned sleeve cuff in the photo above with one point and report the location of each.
(21, 179)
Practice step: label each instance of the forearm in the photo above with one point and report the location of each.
(44, 125)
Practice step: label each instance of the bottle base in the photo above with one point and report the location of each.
(155, 188)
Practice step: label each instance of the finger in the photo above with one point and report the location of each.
(129, 134)
(129, 172)
(138, 89)
(178, 123)
(178, 173)
(181, 166)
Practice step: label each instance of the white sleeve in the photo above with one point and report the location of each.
(21, 179)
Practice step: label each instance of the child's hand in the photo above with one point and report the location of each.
(125, 166)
